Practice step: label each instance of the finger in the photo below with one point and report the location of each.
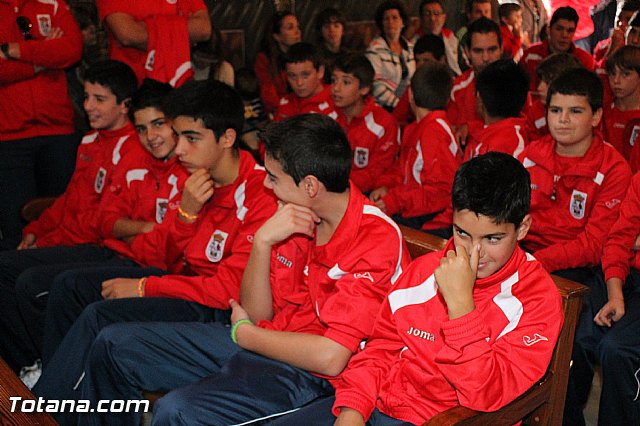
(475, 258)
(233, 303)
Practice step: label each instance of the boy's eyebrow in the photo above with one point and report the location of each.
(495, 234)
(269, 173)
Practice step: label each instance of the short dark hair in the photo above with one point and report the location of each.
(218, 105)
(567, 13)
(494, 185)
(469, 4)
(430, 43)
(310, 144)
(114, 75)
(358, 65)
(390, 5)
(423, 3)
(431, 86)
(579, 82)
(329, 15)
(151, 94)
(302, 52)
(506, 9)
(503, 87)
(626, 58)
(556, 64)
(483, 25)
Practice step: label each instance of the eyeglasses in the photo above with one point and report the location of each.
(25, 26)
(434, 13)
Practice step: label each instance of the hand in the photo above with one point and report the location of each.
(517, 29)
(198, 188)
(378, 193)
(456, 277)
(289, 219)
(28, 241)
(54, 33)
(147, 227)
(461, 134)
(611, 312)
(636, 245)
(119, 288)
(381, 205)
(349, 417)
(237, 311)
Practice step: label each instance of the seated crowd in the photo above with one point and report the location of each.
(209, 234)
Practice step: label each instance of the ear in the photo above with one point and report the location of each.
(321, 72)
(311, 185)
(125, 105)
(597, 116)
(364, 91)
(522, 230)
(228, 138)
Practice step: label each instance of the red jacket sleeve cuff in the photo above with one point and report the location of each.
(460, 331)
(152, 286)
(354, 400)
(615, 272)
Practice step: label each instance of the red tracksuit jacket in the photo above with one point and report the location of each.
(614, 128)
(618, 254)
(570, 231)
(375, 139)
(272, 88)
(508, 136)
(419, 363)
(72, 218)
(536, 115)
(36, 103)
(141, 10)
(421, 180)
(292, 105)
(209, 255)
(462, 105)
(144, 189)
(348, 277)
(511, 44)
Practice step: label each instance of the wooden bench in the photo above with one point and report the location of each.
(543, 404)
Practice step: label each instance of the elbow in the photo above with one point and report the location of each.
(201, 31)
(332, 364)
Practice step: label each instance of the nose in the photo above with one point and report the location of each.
(88, 104)
(564, 116)
(266, 182)
(181, 146)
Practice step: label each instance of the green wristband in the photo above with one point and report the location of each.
(235, 326)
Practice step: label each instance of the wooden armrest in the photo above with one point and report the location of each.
(33, 208)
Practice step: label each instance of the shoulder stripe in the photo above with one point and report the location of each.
(239, 197)
(413, 295)
(373, 210)
(527, 163)
(180, 72)
(520, 146)
(373, 127)
(336, 273)
(136, 174)
(464, 83)
(418, 165)
(453, 146)
(91, 137)
(510, 305)
(115, 159)
(599, 178)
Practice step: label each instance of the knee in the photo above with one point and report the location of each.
(610, 350)
(172, 409)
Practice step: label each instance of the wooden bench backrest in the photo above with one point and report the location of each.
(543, 404)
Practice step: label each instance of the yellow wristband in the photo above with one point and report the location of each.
(187, 215)
(141, 284)
(234, 328)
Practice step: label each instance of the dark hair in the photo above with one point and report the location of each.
(302, 52)
(246, 83)
(506, 9)
(84, 18)
(469, 4)
(218, 105)
(210, 52)
(626, 58)
(503, 87)
(567, 13)
(429, 43)
(329, 15)
(556, 64)
(310, 144)
(151, 94)
(423, 3)
(390, 5)
(270, 46)
(494, 185)
(630, 6)
(357, 65)
(483, 25)
(579, 82)
(431, 85)
(115, 76)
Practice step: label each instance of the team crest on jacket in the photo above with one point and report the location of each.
(44, 24)
(634, 135)
(161, 209)
(215, 248)
(101, 178)
(578, 204)
(361, 157)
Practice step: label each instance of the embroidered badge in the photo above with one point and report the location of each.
(578, 204)
(101, 178)
(634, 135)
(215, 248)
(161, 209)
(148, 64)
(44, 24)
(361, 157)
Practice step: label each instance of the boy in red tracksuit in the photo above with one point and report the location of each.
(132, 25)
(484, 47)
(511, 27)
(67, 232)
(372, 131)
(578, 180)
(305, 73)
(502, 92)
(417, 188)
(623, 68)
(536, 111)
(474, 324)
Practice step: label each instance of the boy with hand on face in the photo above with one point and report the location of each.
(577, 179)
(474, 324)
(372, 131)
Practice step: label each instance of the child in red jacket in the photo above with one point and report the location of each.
(417, 189)
(372, 131)
(578, 180)
(502, 92)
(474, 324)
(511, 27)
